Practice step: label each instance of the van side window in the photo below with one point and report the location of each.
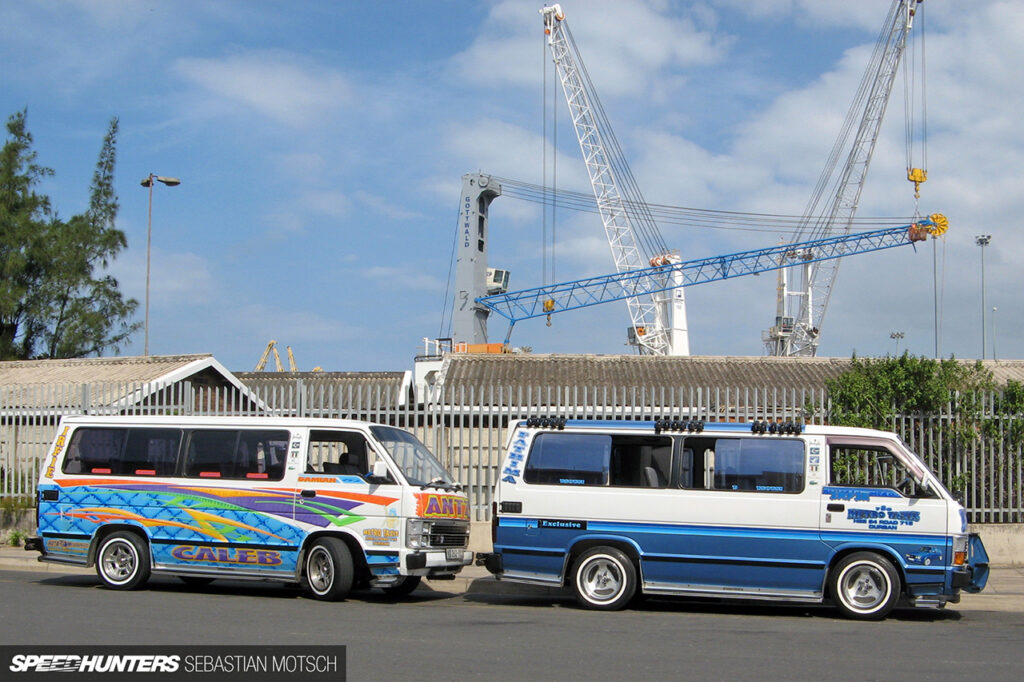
(123, 452)
(343, 453)
(859, 465)
(743, 464)
(599, 460)
(236, 454)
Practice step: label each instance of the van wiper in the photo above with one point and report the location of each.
(440, 483)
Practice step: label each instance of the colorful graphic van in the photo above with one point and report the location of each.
(750, 511)
(330, 503)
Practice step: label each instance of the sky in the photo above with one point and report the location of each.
(320, 147)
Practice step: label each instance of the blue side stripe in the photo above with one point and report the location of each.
(734, 531)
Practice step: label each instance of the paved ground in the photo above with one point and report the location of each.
(1004, 592)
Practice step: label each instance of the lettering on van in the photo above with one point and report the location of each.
(380, 536)
(515, 459)
(850, 494)
(883, 517)
(227, 555)
(563, 524)
(62, 439)
(434, 506)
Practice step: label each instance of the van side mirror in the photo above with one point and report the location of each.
(379, 474)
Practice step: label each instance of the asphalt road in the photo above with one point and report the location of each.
(444, 636)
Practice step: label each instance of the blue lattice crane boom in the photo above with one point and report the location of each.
(556, 298)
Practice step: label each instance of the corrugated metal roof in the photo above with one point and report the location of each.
(265, 380)
(94, 370)
(515, 370)
(124, 381)
(371, 390)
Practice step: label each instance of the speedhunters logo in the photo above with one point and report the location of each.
(249, 663)
(70, 663)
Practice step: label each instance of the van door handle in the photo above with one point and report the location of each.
(836, 507)
(308, 493)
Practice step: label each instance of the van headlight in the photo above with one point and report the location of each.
(417, 533)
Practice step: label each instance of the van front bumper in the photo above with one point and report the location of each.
(437, 559)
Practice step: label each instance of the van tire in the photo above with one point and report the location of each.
(404, 587)
(122, 561)
(329, 571)
(865, 586)
(604, 578)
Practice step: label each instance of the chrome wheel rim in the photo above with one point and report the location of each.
(320, 569)
(865, 587)
(119, 561)
(601, 580)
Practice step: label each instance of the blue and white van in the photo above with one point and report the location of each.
(735, 510)
(329, 503)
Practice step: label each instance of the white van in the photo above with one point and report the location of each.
(741, 510)
(330, 503)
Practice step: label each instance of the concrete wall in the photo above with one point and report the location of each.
(1004, 541)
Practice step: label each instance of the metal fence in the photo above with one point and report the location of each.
(467, 427)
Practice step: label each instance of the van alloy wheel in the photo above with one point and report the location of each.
(604, 578)
(865, 586)
(329, 571)
(122, 562)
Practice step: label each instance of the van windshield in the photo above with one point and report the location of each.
(417, 463)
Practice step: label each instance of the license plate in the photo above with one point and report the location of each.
(453, 554)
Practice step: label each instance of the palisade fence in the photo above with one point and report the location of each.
(467, 427)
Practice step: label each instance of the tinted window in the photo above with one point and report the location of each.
(759, 464)
(569, 459)
(592, 459)
(123, 451)
(743, 464)
(231, 453)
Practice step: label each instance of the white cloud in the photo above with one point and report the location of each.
(282, 86)
(325, 202)
(628, 47)
(400, 278)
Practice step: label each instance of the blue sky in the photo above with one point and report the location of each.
(321, 145)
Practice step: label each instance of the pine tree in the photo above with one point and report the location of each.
(56, 300)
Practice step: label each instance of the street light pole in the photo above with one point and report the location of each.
(897, 336)
(148, 182)
(994, 309)
(983, 240)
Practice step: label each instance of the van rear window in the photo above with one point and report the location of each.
(123, 452)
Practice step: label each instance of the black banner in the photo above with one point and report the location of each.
(173, 662)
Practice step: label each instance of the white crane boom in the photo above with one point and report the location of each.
(801, 310)
(659, 322)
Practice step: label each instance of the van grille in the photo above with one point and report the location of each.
(449, 535)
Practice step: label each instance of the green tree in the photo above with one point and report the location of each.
(872, 391)
(56, 300)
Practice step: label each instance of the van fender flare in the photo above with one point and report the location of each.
(107, 528)
(582, 543)
(847, 548)
(355, 547)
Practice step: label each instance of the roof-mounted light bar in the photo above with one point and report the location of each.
(776, 428)
(546, 423)
(690, 426)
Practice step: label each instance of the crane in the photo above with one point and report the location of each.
(555, 298)
(800, 310)
(272, 349)
(659, 321)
